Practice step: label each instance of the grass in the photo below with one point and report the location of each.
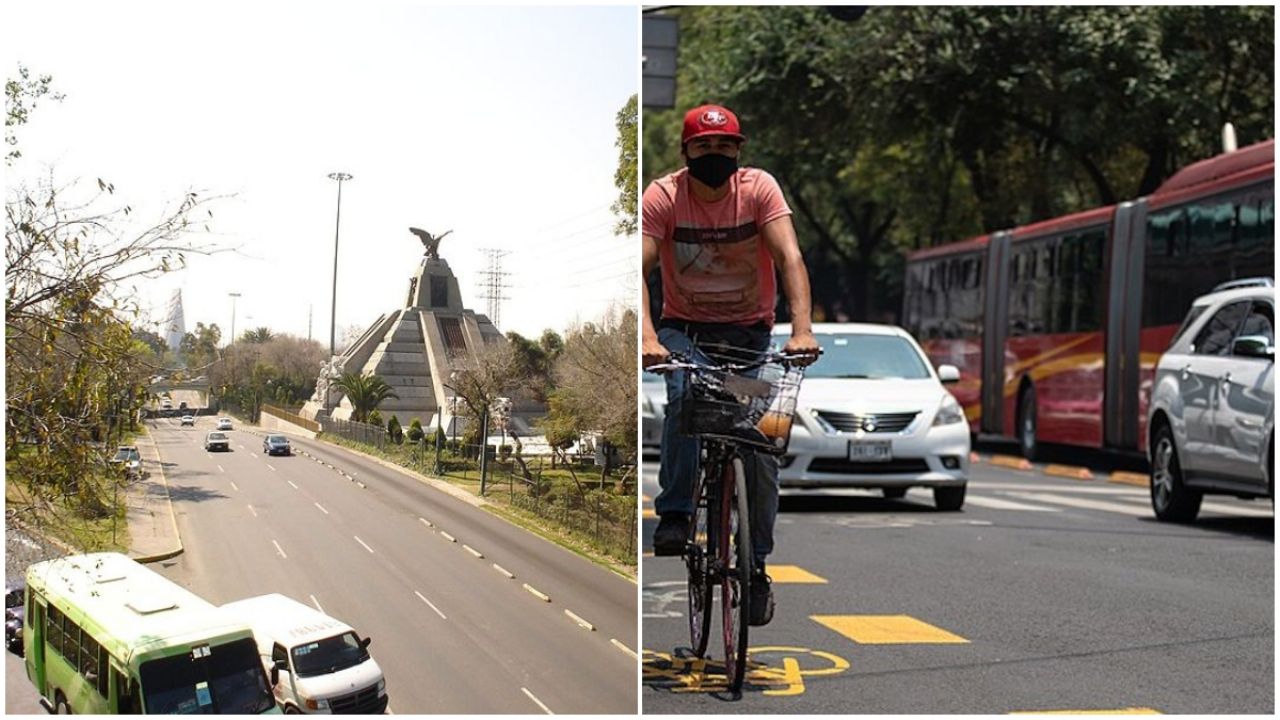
(61, 521)
(464, 474)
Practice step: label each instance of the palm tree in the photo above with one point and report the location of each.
(257, 336)
(364, 392)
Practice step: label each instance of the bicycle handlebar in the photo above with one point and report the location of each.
(680, 361)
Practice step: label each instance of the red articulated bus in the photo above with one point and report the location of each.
(1057, 326)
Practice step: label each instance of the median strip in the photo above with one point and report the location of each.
(1128, 478)
(1069, 471)
(534, 591)
(578, 619)
(624, 648)
(1010, 461)
(472, 550)
(504, 571)
(448, 537)
(426, 522)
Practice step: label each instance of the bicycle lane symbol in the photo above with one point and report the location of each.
(773, 670)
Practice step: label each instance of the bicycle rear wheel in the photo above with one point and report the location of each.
(696, 563)
(735, 554)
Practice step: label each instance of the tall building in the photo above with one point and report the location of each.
(174, 325)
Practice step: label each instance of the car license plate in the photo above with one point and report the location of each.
(870, 451)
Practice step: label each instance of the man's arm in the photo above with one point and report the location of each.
(651, 350)
(780, 239)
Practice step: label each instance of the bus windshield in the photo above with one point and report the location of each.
(871, 357)
(228, 679)
(329, 655)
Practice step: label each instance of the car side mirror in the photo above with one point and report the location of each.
(948, 374)
(1254, 346)
(276, 667)
(364, 644)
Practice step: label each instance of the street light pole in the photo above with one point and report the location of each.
(233, 318)
(333, 312)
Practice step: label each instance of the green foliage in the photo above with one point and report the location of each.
(922, 125)
(257, 336)
(415, 433)
(625, 178)
(21, 95)
(365, 393)
(394, 431)
(375, 419)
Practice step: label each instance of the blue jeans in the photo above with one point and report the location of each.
(680, 454)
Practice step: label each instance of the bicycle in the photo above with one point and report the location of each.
(734, 408)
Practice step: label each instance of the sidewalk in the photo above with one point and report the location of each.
(153, 529)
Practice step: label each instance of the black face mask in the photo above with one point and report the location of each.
(712, 170)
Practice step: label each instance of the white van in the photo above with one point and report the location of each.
(317, 664)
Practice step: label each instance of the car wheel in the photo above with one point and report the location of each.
(949, 499)
(60, 704)
(1027, 440)
(894, 493)
(1171, 500)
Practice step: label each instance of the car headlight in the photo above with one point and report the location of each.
(647, 406)
(314, 704)
(382, 687)
(949, 412)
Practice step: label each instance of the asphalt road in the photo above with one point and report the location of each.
(452, 633)
(1042, 594)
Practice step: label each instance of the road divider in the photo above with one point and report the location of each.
(504, 571)
(426, 522)
(578, 619)
(1069, 471)
(1010, 461)
(448, 537)
(623, 648)
(1128, 478)
(472, 550)
(536, 593)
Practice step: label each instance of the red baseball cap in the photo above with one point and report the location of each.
(710, 120)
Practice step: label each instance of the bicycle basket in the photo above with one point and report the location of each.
(755, 411)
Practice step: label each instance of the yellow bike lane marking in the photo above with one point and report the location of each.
(776, 671)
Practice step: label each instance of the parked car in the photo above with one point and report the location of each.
(224, 423)
(14, 596)
(129, 460)
(1211, 419)
(873, 413)
(189, 420)
(216, 441)
(653, 410)
(182, 405)
(276, 445)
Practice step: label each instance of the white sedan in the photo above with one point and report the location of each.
(873, 413)
(224, 423)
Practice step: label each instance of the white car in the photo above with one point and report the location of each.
(1211, 420)
(873, 413)
(224, 423)
(653, 410)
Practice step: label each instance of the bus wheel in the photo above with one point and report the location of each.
(60, 704)
(1027, 440)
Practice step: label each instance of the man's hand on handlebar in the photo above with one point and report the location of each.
(653, 352)
(803, 344)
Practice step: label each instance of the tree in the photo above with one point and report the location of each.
(394, 431)
(364, 392)
(21, 97)
(258, 336)
(415, 433)
(625, 177)
(199, 347)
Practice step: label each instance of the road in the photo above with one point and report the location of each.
(452, 633)
(1042, 594)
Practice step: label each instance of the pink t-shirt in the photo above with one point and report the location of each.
(715, 266)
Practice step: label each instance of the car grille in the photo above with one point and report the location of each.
(845, 467)
(869, 422)
(364, 702)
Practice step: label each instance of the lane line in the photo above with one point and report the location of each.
(534, 591)
(326, 512)
(366, 547)
(545, 709)
(504, 571)
(270, 468)
(220, 469)
(998, 504)
(234, 486)
(317, 603)
(295, 487)
(279, 550)
(624, 648)
(447, 536)
(255, 512)
(424, 520)
(430, 604)
(578, 619)
(473, 551)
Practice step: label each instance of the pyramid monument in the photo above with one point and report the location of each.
(413, 349)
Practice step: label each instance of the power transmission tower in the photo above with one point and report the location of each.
(492, 283)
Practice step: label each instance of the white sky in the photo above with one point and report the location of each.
(497, 123)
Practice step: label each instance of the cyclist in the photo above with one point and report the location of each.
(717, 232)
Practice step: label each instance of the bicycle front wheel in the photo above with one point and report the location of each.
(696, 560)
(735, 546)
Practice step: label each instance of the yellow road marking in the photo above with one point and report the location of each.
(1069, 471)
(887, 630)
(1128, 478)
(1009, 461)
(794, 574)
(1121, 711)
(684, 675)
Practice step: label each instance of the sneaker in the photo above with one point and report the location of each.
(761, 598)
(671, 536)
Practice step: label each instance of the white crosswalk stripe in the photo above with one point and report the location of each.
(999, 504)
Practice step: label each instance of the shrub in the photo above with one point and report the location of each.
(415, 433)
(394, 431)
(375, 418)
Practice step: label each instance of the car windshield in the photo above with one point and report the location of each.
(126, 455)
(217, 436)
(228, 679)
(278, 440)
(329, 655)
(865, 356)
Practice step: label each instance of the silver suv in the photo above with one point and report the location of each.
(1212, 414)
